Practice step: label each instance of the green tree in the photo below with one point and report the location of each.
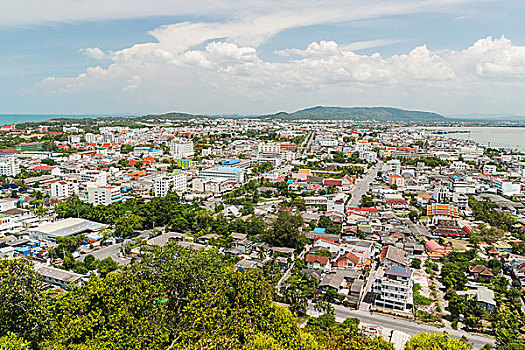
(11, 341)
(126, 225)
(367, 202)
(415, 263)
(426, 341)
(286, 231)
(21, 310)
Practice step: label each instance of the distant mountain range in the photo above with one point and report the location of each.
(380, 114)
(359, 114)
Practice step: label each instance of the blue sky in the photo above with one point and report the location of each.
(448, 56)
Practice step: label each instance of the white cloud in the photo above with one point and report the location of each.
(172, 74)
(370, 44)
(270, 13)
(215, 66)
(494, 58)
(94, 52)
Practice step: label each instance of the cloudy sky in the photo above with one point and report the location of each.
(252, 57)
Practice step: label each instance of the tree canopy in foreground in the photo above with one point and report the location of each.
(173, 298)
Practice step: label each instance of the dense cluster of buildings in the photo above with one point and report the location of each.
(374, 198)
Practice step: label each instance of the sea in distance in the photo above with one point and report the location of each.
(508, 137)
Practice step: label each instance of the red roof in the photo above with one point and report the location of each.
(332, 182)
(9, 151)
(342, 261)
(323, 260)
(324, 239)
(43, 168)
(374, 210)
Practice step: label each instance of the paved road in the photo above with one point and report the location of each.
(305, 145)
(112, 251)
(364, 305)
(362, 185)
(405, 326)
(288, 272)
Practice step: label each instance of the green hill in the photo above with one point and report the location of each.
(359, 114)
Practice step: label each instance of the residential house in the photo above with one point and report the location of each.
(318, 262)
(392, 256)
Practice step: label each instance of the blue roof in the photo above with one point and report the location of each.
(184, 160)
(13, 186)
(290, 181)
(398, 271)
(319, 230)
(148, 148)
(229, 169)
(231, 162)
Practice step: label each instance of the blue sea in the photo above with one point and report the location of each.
(495, 136)
(21, 118)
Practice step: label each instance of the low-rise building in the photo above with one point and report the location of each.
(58, 277)
(64, 228)
(104, 195)
(64, 189)
(230, 173)
(506, 187)
(318, 262)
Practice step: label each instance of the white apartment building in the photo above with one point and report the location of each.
(315, 200)
(15, 218)
(461, 186)
(337, 203)
(460, 200)
(440, 194)
(216, 185)
(181, 149)
(74, 138)
(9, 167)
(473, 151)
(90, 138)
(393, 165)
(269, 148)
(177, 182)
(230, 173)
(100, 178)
(104, 195)
(328, 142)
(361, 146)
(506, 188)
(63, 189)
(393, 289)
(459, 166)
(368, 156)
(489, 169)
